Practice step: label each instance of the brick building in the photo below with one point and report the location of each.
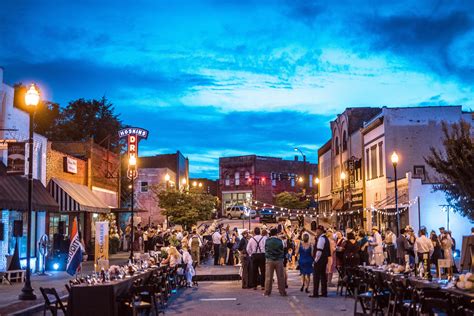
(83, 177)
(175, 162)
(243, 179)
(206, 185)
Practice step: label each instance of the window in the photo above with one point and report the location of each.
(373, 162)
(419, 172)
(367, 159)
(344, 141)
(247, 175)
(336, 145)
(310, 182)
(227, 180)
(381, 166)
(143, 186)
(237, 178)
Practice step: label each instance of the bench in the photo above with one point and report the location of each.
(14, 276)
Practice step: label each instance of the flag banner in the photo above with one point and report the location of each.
(74, 257)
(101, 242)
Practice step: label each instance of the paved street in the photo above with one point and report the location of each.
(218, 298)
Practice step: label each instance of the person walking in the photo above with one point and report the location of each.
(363, 243)
(274, 255)
(195, 244)
(340, 247)
(216, 241)
(244, 259)
(256, 251)
(321, 255)
(305, 261)
(402, 247)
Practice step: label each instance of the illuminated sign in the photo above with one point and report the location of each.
(133, 134)
(137, 131)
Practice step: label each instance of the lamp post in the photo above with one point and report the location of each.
(32, 99)
(183, 183)
(132, 166)
(394, 163)
(304, 167)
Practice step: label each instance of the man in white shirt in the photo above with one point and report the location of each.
(216, 240)
(391, 245)
(256, 252)
(423, 248)
(378, 246)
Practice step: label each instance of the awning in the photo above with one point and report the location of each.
(128, 210)
(337, 205)
(14, 195)
(73, 197)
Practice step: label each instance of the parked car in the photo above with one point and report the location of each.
(267, 215)
(240, 211)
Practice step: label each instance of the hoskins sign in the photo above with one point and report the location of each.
(133, 134)
(137, 131)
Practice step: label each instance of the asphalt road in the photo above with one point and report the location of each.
(228, 298)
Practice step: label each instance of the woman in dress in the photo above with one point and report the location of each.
(363, 244)
(340, 245)
(438, 252)
(446, 246)
(330, 267)
(223, 250)
(351, 252)
(174, 257)
(305, 251)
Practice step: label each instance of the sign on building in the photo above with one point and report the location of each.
(70, 165)
(133, 134)
(16, 158)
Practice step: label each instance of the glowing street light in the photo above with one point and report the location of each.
(167, 177)
(32, 98)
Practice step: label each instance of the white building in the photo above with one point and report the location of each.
(410, 132)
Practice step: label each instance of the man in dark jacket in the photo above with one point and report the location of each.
(321, 256)
(274, 255)
(402, 247)
(244, 259)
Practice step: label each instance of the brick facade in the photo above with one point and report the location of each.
(261, 178)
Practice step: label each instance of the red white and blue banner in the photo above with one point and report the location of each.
(74, 257)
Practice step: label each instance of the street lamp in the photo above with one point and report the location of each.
(132, 166)
(304, 162)
(32, 98)
(394, 163)
(200, 184)
(195, 184)
(343, 177)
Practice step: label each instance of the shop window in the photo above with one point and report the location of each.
(310, 182)
(367, 159)
(247, 175)
(143, 186)
(419, 172)
(373, 162)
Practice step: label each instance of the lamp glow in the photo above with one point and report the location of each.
(183, 181)
(343, 175)
(132, 161)
(55, 266)
(167, 177)
(195, 184)
(32, 96)
(394, 158)
(316, 180)
(200, 184)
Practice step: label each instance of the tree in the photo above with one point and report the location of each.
(455, 166)
(185, 208)
(82, 119)
(291, 200)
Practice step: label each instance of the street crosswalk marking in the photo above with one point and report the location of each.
(218, 299)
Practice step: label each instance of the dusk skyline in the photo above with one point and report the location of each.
(217, 78)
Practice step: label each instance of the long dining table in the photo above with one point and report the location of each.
(101, 299)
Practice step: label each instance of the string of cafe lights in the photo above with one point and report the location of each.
(308, 212)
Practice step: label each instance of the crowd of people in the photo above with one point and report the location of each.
(267, 251)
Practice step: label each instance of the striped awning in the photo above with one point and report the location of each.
(73, 197)
(14, 195)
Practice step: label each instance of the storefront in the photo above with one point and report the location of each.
(75, 200)
(13, 226)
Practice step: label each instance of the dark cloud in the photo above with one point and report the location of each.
(73, 78)
(304, 11)
(424, 40)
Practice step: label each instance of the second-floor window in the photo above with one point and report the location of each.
(143, 187)
(237, 178)
(227, 180)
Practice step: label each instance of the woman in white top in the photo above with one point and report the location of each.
(174, 257)
(188, 260)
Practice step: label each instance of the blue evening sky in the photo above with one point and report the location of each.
(219, 78)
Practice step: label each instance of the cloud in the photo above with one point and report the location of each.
(425, 40)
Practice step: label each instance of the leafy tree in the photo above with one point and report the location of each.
(185, 208)
(82, 119)
(455, 166)
(291, 200)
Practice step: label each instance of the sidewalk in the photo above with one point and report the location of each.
(9, 302)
